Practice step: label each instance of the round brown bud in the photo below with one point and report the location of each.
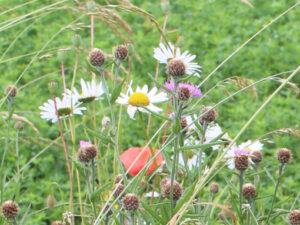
(249, 191)
(221, 216)
(284, 155)
(19, 126)
(121, 52)
(118, 179)
(214, 188)
(57, 223)
(241, 162)
(165, 187)
(87, 153)
(118, 188)
(142, 186)
(183, 94)
(130, 202)
(97, 57)
(256, 157)
(294, 217)
(11, 91)
(184, 124)
(107, 209)
(10, 209)
(210, 114)
(176, 68)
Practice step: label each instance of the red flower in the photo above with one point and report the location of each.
(129, 156)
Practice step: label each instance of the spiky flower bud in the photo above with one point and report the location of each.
(10, 209)
(165, 187)
(241, 162)
(11, 91)
(121, 52)
(184, 124)
(256, 157)
(130, 202)
(76, 40)
(50, 201)
(210, 114)
(53, 87)
(294, 217)
(221, 216)
(87, 153)
(183, 93)
(118, 188)
(176, 68)
(19, 126)
(109, 212)
(142, 186)
(249, 191)
(57, 223)
(118, 178)
(97, 57)
(214, 188)
(284, 155)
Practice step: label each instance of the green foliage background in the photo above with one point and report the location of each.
(212, 30)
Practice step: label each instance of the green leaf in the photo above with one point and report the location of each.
(97, 192)
(153, 213)
(116, 92)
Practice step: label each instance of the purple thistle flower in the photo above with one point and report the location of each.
(84, 143)
(192, 88)
(241, 152)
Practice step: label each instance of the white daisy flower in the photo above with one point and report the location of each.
(90, 91)
(165, 53)
(246, 148)
(67, 106)
(141, 97)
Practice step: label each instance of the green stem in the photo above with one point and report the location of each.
(113, 119)
(241, 176)
(117, 73)
(275, 192)
(93, 174)
(132, 219)
(14, 221)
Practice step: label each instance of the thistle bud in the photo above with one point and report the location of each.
(176, 68)
(121, 52)
(105, 122)
(118, 189)
(97, 57)
(19, 126)
(11, 91)
(222, 216)
(214, 188)
(130, 202)
(118, 178)
(10, 209)
(249, 191)
(165, 187)
(241, 162)
(87, 153)
(57, 223)
(53, 87)
(183, 93)
(76, 40)
(294, 217)
(284, 155)
(184, 124)
(210, 115)
(62, 56)
(109, 212)
(256, 157)
(50, 201)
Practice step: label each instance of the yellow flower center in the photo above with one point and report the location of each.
(138, 98)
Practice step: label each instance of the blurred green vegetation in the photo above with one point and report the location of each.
(212, 30)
